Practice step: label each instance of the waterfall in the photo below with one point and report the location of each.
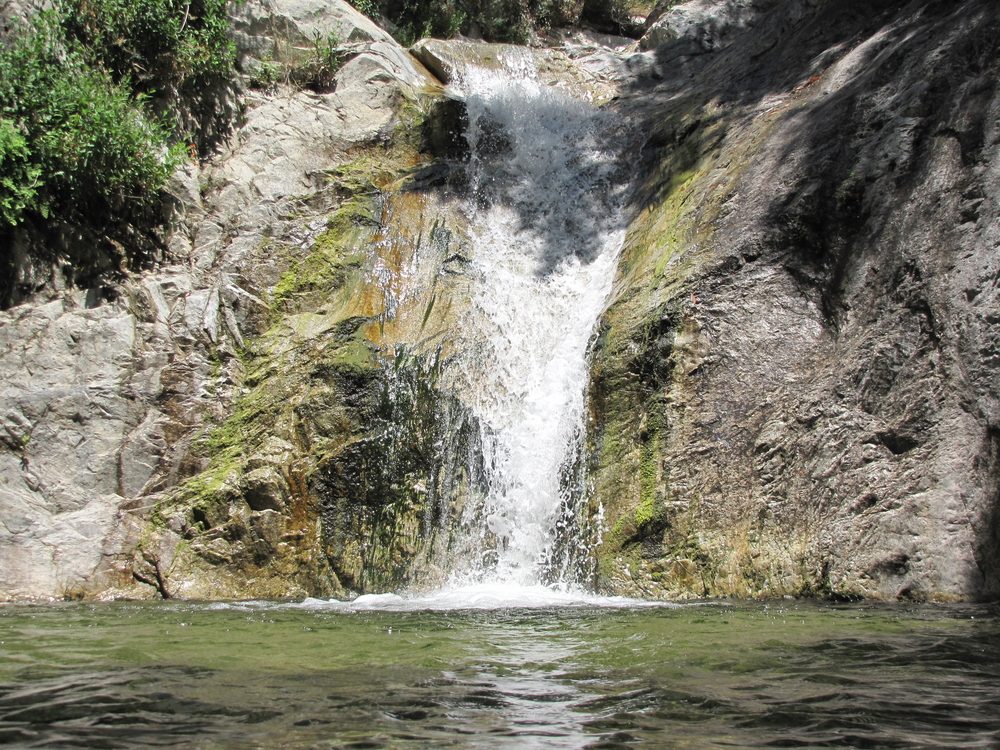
(545, 209)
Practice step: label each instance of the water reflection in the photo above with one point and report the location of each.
(694, 677)
(535, 700)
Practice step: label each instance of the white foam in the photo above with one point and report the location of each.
(482, 596)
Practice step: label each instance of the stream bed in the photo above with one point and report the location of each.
(597, 674)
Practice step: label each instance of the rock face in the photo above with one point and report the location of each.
(293, 29)
(794, 385)
(71, 402)
(796, 382)
(14, 12)
(108, 394)
(707, 25)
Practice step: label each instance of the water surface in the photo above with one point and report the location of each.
(788, 674)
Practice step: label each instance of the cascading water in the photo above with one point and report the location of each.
(544, 205)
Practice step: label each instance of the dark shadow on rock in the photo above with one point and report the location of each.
(985, 581)
(867, 147)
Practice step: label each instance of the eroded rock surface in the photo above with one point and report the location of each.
(797, 375)
(709, 25)
(290, 30)
(107, 392)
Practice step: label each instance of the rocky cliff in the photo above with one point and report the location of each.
(793, 387)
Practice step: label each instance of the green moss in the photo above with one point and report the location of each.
(332, 257)
(375, 170)
(646, 511)
(271, 374)
(311, 387)
(649, 480)
(355, 355)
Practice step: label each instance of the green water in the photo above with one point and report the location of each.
(703, 676)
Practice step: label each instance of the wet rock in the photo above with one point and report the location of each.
(446, 59)
(794, 384)
(444, 129)
(585, 65)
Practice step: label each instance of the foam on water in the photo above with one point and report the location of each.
(481, 596)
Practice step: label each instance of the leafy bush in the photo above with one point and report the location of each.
(368, 7)
(87, 150)
(615, 16)
(85, 146)
(497, 20)
(316, 70)
(266, 75)
(19, 178)
(156, 45)
(415, 19)
(313, 68)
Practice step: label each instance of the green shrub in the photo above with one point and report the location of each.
(615, 16)
(368, 7)
(555, 13)
(317, 69)
(156, 45)
(19, 178)
(85, 149)
(314, 67)
(500, 20)
(415, 19)
(78, 148)
(266, 75)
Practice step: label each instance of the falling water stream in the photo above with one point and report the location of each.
(545, 211)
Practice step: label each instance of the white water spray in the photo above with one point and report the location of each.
(545, 211)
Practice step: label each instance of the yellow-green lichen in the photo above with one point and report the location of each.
(333, 256)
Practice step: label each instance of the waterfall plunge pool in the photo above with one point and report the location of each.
(600, 674)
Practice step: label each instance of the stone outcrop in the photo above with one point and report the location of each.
(108, 392)
(291, 30)
(14, 12)
(709, 25)
(795, 383)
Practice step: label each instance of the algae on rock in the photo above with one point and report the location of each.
(326, 475)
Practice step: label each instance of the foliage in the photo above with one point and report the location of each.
(317, 69)
(19, 178)
(266, 75)
(79, 143)
(313, 68)
(368, 7)
(86, 148)
(157, 45)
(419, 18)
(498, 20)
(615, 16)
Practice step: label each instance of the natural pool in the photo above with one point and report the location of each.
(708, 675)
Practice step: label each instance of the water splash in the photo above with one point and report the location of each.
(486, 596)
(545, 211)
